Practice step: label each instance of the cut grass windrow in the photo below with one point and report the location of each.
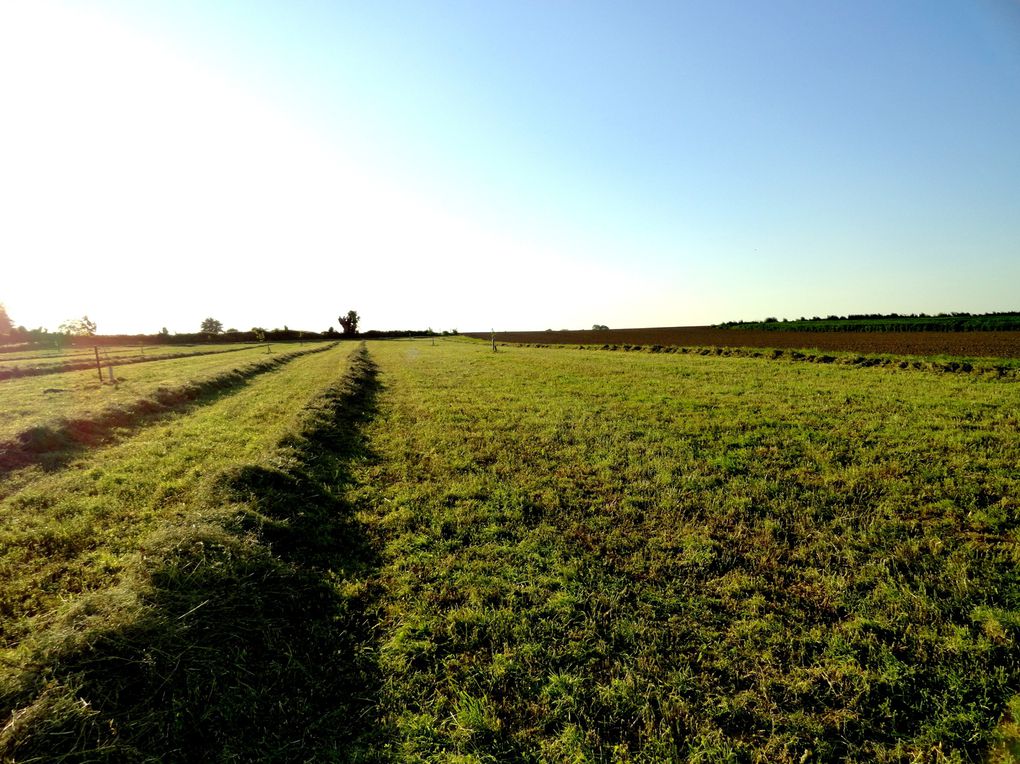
(211, 608)
(986, 344)
(1000, 368)
(53, 443)
(79, 394)
(14, 368)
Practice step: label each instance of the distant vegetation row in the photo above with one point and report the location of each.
(83, 332)
(37, 339)
(894, 322)
(33, 339)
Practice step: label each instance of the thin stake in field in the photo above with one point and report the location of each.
(109, 368)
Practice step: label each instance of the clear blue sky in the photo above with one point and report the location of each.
(521, 165)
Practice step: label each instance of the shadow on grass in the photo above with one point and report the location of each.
(52, 446)
(248, 640)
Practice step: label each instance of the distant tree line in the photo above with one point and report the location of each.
(65, 334)
(378, 334)
(83, 332)
(42, 338)
(892, 322)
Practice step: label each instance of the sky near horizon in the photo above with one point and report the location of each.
(522, 165)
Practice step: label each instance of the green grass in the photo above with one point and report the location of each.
(166, 598)
(107, 500)
(35, 401)
(450, 554)
(607, 556)
(987, 366)
(49, 361)
(48, 425)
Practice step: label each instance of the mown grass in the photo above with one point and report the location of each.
(195, 592)
(582, 557)
(42, 425)
(49, 362)
(37, 400)
(646, 557)
(984, 366)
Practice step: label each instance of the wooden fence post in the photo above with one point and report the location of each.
(99, 368)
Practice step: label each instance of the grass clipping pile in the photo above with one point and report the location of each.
(230, 626)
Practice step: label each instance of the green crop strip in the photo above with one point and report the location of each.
(645, 557)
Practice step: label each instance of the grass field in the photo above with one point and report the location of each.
(613, 556)
(45, 417)
(115, 352)
(133, 584)
(44, 362)
(441, 553)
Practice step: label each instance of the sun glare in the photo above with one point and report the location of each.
(140, 184)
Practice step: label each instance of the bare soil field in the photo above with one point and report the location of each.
(1005, 344)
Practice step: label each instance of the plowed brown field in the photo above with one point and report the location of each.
(968, 344)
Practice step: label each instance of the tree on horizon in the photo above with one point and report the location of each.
(211, 326)
(350, 322)
(78, 327)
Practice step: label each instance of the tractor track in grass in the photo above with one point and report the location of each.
(52, 445)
